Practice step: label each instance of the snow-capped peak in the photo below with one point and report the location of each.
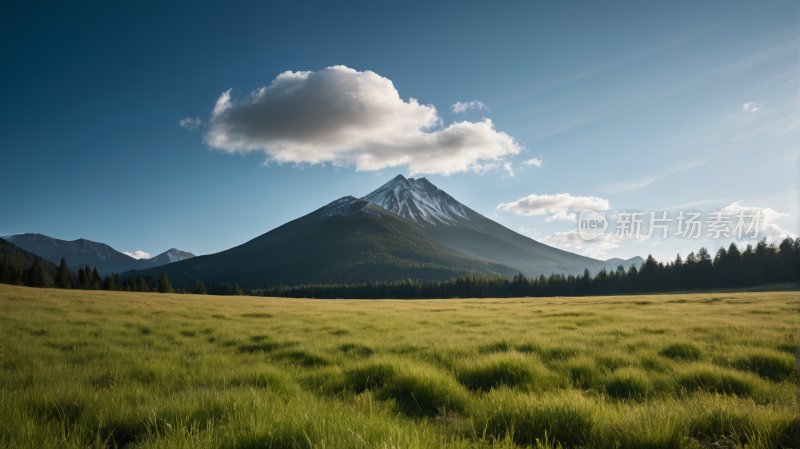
(418, 200)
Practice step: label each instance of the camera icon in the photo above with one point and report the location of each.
(591, 224)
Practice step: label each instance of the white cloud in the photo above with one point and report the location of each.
(482, 168)
(559, 205)
(507, 167)
(460, 107)
(222, 105)
(345, 117)
(191, 124)
(138, 254)
(596, 249)
(767, 227)
(562, 215)
(534, 161)
(751, 107)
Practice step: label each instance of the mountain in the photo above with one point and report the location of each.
(169, 256)
(17, 258)
(461, 230)
(81, 252)
(638, 261)
(349, 240)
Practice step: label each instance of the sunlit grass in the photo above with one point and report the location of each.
(103, 369)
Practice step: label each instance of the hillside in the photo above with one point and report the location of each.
(81, 252)
(349, 240)
(461, 230)
(14, 257)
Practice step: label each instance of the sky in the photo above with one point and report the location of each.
(148, 126)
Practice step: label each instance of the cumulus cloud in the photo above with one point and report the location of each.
(562, 206)
(344, 117)
(767, 227)
(535, 161)
(572, 240)
(460, 107)
(562, 215)
(190, 124)
(507, 167)
(751, 107)
(138, 254)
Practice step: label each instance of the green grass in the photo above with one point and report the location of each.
(99, 369)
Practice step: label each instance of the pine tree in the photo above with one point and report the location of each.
(62, 275)
(164, 286)
(81, 278)
(200, 289)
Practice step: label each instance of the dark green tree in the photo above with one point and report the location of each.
(164, 286)
(62, 279)
(200, 288)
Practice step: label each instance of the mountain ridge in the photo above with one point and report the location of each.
(464, 231)
(81, 251)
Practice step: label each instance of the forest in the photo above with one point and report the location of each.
(731, 268)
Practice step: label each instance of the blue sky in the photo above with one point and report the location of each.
(643, 105)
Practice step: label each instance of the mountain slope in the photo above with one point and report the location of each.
(463, 231)
(17, 258)
(81, 252)
(169, 256)
(626, 262)
(349, 240)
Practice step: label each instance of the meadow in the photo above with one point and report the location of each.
(144, 370)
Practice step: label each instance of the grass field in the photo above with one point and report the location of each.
(114, 369)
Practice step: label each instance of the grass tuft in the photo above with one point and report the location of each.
(717, 380)
(508, 369)
(774, 366)
(628, 383)
(684, 351)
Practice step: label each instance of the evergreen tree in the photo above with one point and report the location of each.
(62, 275)
(35, 276)
(199, 288)
(164, 286)
(81, 278)
(143, 285)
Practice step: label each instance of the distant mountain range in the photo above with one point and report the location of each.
(407, 228)
(625, 262)
(79, 253)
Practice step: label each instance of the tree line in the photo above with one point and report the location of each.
(731, 268)
(20, 267)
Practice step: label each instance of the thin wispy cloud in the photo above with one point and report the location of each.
(535, 161)
(460, 107)
(190, 124)
(648, 179)
(751, 107)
